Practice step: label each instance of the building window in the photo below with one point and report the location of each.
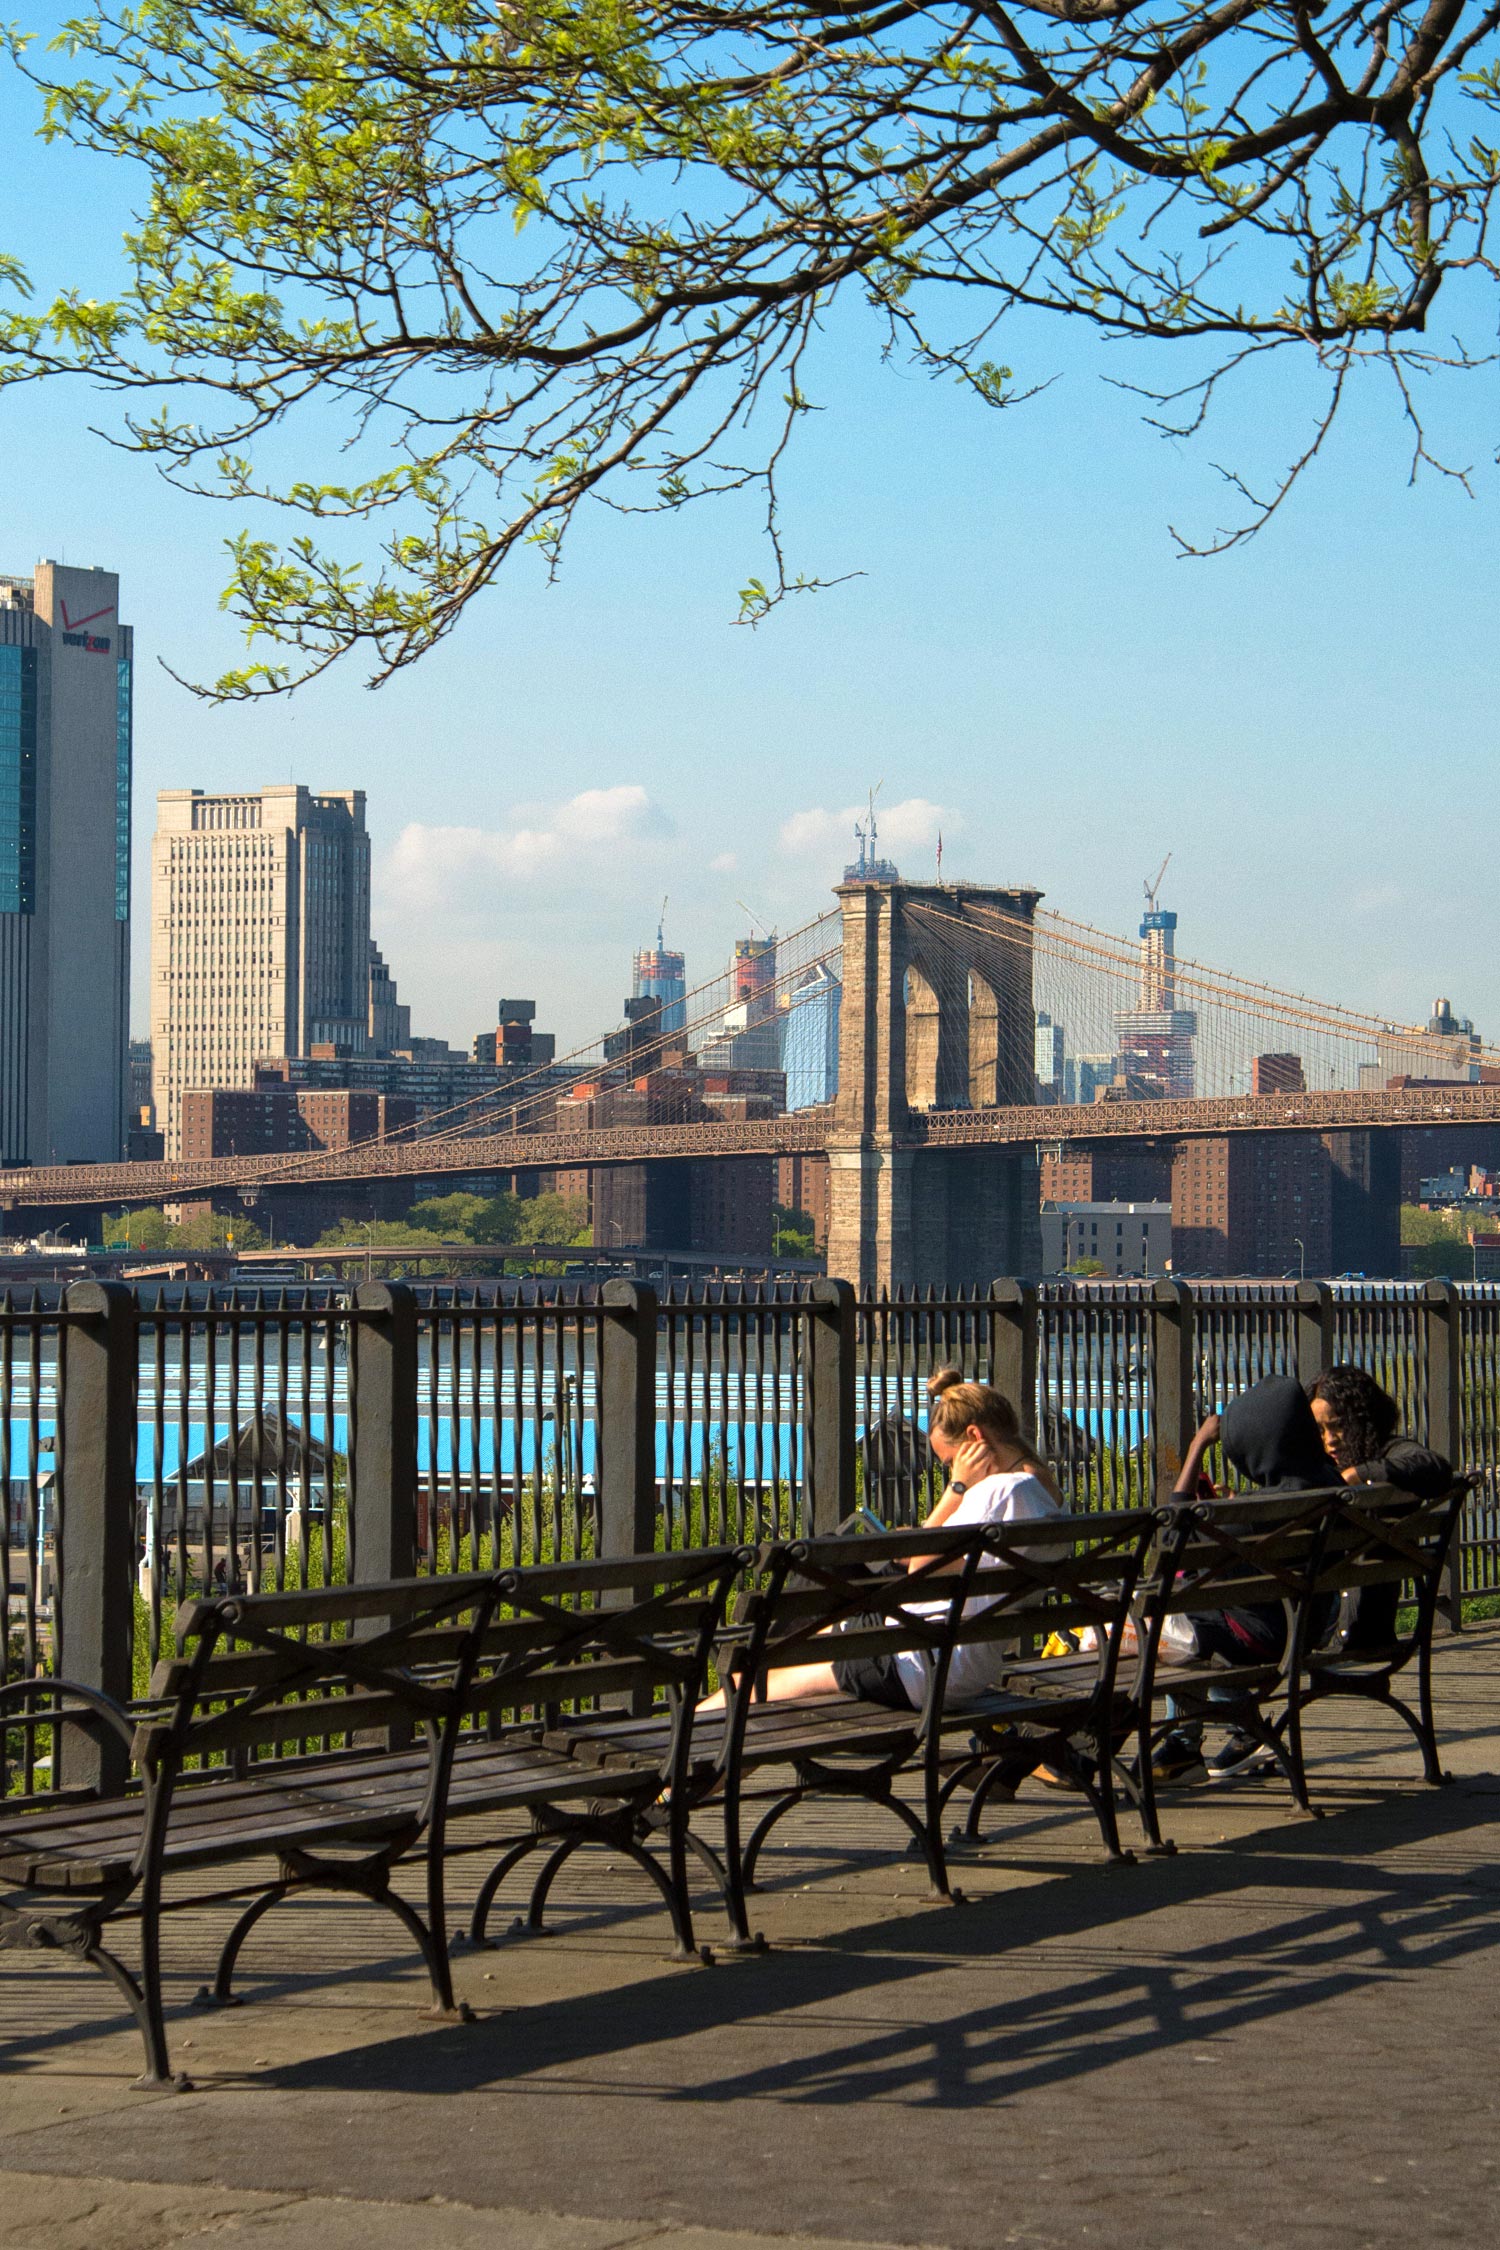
(123, 735)
(17, 780)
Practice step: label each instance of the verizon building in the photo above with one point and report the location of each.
(65, 753)
(260, 935)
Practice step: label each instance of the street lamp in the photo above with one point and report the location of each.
(1301, 1257)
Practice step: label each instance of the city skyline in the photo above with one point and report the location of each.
(1025, 664)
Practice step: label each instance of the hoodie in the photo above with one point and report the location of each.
(1269, 1435)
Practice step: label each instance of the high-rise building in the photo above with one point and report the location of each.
(810, 1037)
(751, 1035)
(1277, 1074)
(1449, 1049)
(260, 935)
(66, 666)
(1050, 1062)
(658, 974)
(1083, 1075)
(390, 1018)
(1155, 1040)
(1252, 1203)
(139, 1105)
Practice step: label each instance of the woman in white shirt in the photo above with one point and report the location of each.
(994, 1476)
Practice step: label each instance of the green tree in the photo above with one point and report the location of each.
(1438, 1244)
(151, 1229)
(1419, 1225)
(454, 270)
(553, 1218)
(793, 1230)
(469, 1218)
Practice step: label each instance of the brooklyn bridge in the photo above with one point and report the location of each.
(925, 1008)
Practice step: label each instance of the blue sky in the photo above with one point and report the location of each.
(1307, 725)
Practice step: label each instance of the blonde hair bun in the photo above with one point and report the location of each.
(943, 1380)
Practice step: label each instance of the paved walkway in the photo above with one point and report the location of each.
(1285, 2035)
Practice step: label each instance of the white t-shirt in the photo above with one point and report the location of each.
(1012, 1496)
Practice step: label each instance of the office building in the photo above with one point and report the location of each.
(260, 935)
(659, 974)
(514, 1045)
(1125, 1239)
(1155, 1039)
(1277, 1074)
(1085, 1077)
(810, 1014)
(390, 1019)
(750, 1038)
(66, 701)
(1050, 1061)
(1448, 1051)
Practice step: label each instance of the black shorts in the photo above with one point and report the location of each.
(874, 1679)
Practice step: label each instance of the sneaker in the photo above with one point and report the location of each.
(1177, 1763)
(1240, 1757)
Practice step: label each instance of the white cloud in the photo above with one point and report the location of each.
(725, 864)
(430, 866)
(911, 826)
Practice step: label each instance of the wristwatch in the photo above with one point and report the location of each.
(958, 1485)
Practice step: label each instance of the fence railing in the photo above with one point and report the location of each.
(155, 1444)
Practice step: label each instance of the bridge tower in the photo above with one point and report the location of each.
(937, 1014)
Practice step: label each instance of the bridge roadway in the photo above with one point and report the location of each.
(806, 1132)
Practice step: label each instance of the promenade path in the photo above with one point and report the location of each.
(1287, 2035)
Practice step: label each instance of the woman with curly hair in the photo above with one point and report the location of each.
(1358, 1421)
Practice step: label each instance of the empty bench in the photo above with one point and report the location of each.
(331, 1683)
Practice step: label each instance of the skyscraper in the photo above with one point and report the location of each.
(1156, 1039)
(1050, 1058)
(260, 935)
(65, 756)
(662, 975)
(810, 1037)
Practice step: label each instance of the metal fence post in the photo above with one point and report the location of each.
(829, 1424)
(1442, 1316)
(383, 1433)
(1174, 1378)
(1013, 1350)
(1314, 1329)
(96, 1535)
(627, 1419)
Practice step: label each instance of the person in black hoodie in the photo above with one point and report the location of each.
(1358, 1423)
(1271, 1438)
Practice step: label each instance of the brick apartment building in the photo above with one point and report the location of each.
(1253, 1203)
(722, 1206)
(274, 1120)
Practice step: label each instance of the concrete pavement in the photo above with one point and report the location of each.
(1284, 2035)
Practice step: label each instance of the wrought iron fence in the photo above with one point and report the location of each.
(157, 1445)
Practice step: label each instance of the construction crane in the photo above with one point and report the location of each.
(661, 925)
(744, 909)
(1151, 889)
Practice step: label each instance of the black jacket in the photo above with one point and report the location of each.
(1369, 1618)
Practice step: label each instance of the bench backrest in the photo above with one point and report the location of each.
(321, 1665)
(875, 1594)
(1239, 1550)
(1378, 1535)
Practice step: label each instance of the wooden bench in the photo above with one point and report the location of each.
(334, 1674)
(872, 1595)
(1302, 1550)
